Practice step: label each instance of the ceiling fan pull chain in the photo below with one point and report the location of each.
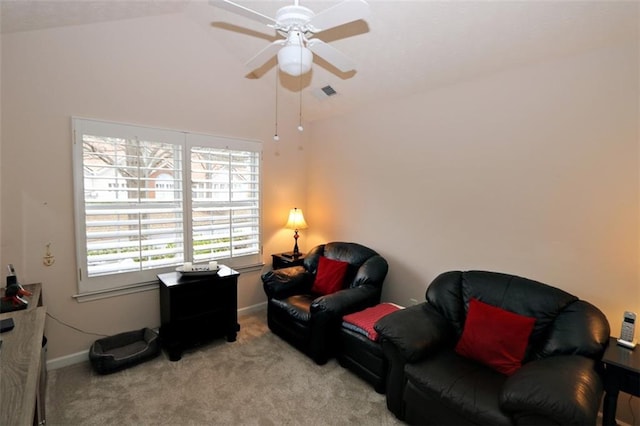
(300, 128)
(275, 135)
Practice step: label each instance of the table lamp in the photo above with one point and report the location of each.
(296, 221)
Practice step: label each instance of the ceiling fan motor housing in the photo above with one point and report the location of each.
(293, 17)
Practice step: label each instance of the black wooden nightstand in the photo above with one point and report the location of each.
(622, 373)
(196, 308)
(285, 260)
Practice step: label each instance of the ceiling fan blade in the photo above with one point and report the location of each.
(265, 54)
(242, 10)
(341, 13)
(331, 55)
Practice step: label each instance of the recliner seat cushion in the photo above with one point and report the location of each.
(452, 383)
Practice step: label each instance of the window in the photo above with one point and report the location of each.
(147, 200)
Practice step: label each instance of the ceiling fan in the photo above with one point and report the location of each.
(298, 25)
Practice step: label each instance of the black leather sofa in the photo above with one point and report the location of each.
(430, 383)
(309, 321)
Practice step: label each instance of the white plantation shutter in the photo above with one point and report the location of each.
(225, 186)
(135, 214)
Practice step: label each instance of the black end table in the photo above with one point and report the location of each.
(195, 309)
(622, 373)
(285, 260)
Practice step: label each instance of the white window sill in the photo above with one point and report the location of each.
(140, 287)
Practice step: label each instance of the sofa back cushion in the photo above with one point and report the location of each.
(365, 265)
(451, 292)
(495, 337)
(330, 276)
(580, 329)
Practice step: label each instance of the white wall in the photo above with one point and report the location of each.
(532, 171)
(1, 258)
(163, 71)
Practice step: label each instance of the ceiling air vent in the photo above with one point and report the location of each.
(324, 92)
(328, 90)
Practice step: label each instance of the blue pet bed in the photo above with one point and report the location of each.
(115, 353)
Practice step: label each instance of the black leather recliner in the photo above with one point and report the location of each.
(309, 321)
(430, 383)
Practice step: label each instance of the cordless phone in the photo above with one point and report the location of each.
(628, 330)
(12, 279)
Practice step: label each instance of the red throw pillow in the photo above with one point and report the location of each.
(495, 337)
(330, 276)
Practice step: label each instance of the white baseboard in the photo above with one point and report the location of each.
(618, 421)
(83, 356)
(252, 309)
(67, 360)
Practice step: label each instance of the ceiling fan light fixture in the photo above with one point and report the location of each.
(295, 59)
(298, 25)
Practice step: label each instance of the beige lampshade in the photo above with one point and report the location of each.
(296, 220)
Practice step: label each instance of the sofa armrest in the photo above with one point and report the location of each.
(415, 331)
(372, 272)
(281, 283)
(326, 317)
(346, 301)
(564, 389)
(327, 312)
(406, 336)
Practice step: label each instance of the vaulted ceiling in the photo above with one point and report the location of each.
(405, 46)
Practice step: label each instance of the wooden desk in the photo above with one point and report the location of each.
(21, 360)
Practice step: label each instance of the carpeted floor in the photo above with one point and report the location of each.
(257, 380)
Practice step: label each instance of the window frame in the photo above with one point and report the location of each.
(91, 287)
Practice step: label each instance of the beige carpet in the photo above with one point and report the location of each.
(258, 380)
